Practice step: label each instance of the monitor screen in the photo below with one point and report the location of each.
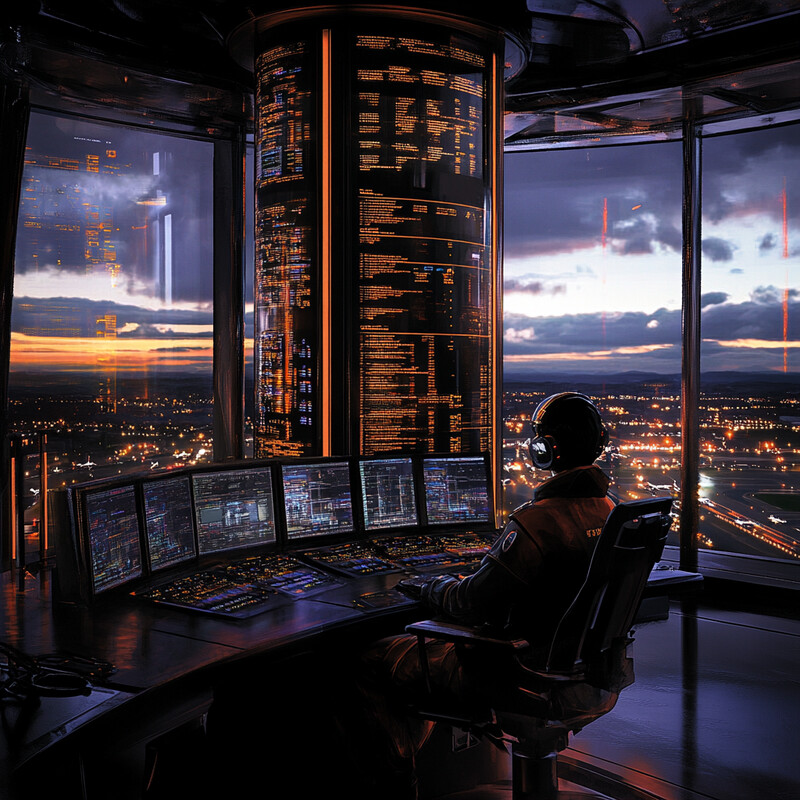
(387, 493)
(233, 508)
(112, 524)
(168, 521)
(456, 489)
(317, 499)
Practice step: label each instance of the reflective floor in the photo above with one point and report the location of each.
(713, 714)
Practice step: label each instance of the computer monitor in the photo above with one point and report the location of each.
(233, 508)
(456, 489)
(168, 522)
(317, 499)
(388, 497)
(112, 540)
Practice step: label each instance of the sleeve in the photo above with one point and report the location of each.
(485, 596)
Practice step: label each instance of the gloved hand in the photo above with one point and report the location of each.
(411, 587)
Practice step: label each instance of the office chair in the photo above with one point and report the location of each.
(560, 689)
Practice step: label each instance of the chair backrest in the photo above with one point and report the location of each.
(603, 611)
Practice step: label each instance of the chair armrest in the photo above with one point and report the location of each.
(454, 632)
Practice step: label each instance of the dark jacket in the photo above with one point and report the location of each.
(537, 564)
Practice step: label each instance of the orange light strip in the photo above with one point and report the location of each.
(326, 244)
(497, 154)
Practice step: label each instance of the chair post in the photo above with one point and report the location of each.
(534, 768)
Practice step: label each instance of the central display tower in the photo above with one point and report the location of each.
(378, 146)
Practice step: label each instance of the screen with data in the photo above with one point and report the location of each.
(423, 255)
(387, 493)
(286, 263)
(317, 499)
(456, 489)
(112, 526)
(168, 521)
(233, 508)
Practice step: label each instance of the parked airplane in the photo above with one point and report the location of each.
(776, 520)
(87, 465)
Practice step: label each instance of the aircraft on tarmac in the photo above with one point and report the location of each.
(88, 465)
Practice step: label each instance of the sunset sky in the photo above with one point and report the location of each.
(592, 257)
(592, 292)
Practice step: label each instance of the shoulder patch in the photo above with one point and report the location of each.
(508, 541)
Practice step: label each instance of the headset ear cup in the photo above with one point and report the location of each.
(543, 451)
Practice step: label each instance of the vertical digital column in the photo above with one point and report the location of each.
(422, 245)
(287, 336)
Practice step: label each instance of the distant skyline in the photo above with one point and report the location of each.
(592, 257)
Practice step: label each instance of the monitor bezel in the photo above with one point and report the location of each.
(185, 475)
(458, 525)
(367, 532)
(79, 495)
(268, 466)
(293, 541)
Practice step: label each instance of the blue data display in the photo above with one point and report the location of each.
(317, 499)
(456, 489)
(387, 493)
(113, 527)
(168, 521)
(233, 508)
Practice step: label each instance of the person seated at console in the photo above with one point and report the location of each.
(524, 585)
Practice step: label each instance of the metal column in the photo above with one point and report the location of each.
(229, 188)
(690, 366)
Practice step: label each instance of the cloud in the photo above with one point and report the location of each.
(80, 317)
(767, 242)
(713, 299)
(771, 295)
(522, 335)
(635, 340)
(554, 201)
(717, 249)
(532, 287)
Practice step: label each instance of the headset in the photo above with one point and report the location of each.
(544, 447)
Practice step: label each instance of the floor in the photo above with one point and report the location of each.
(712, 715)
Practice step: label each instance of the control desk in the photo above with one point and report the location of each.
(165, 582)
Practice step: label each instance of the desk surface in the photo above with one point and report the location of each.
(157, 649)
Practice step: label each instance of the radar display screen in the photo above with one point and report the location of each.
(317, 499)
(456, 489)
(233, 508)
(168, 521)
(113, 537)
(387, 493)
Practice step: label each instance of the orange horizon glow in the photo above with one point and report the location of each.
(754, 344)
(77, 353)
(594, 355)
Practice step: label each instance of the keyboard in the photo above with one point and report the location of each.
(353, 558)
(213, 593)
